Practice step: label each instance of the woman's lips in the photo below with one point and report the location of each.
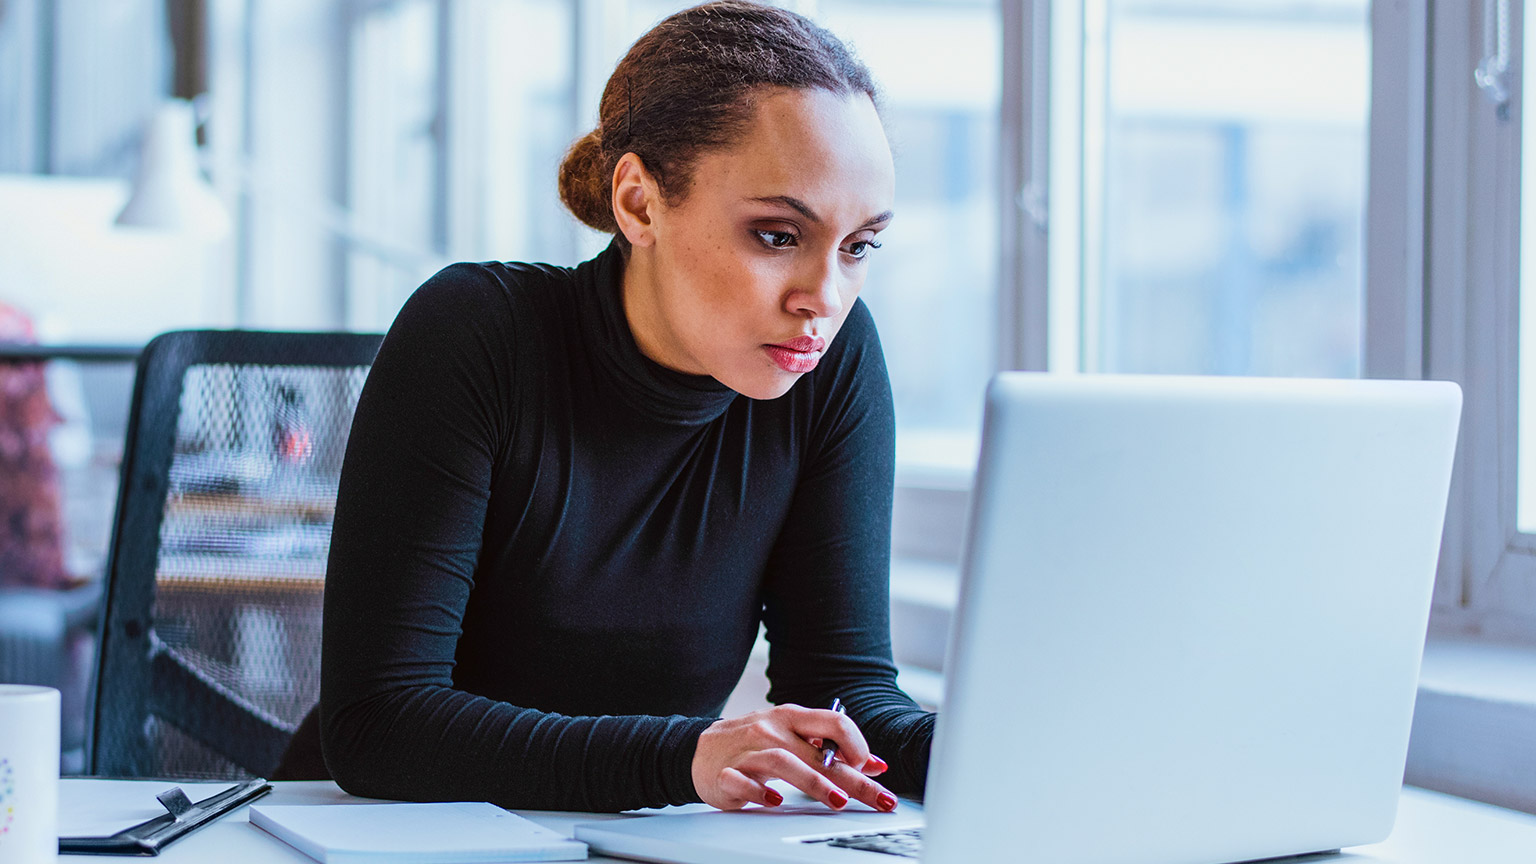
(804, 343)
(800, 354)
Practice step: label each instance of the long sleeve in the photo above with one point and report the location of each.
(827, 591)
(431, 427)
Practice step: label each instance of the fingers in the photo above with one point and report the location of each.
(816, 725)
(799, 764)
(735, 759)
(860, 788)
(853, 761)
(793, 769)
(874, 766)
(743, 790)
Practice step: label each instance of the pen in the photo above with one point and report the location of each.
(828, 746)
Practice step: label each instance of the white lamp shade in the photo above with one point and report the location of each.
(168, 191)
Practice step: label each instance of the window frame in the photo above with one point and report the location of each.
(1488, 574)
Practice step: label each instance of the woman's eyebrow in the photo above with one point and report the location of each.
(876, 220)
(805, 210)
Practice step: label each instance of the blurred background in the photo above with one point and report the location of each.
(1207, 203)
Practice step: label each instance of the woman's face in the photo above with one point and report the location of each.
(750, 276)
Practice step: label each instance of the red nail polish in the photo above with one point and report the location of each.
(839, 800)
(876, 764)
(886, 802)
(773, 798)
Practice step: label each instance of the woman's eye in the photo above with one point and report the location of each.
(776, 239)
(860, 248)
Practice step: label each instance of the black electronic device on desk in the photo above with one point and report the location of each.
(183, 816)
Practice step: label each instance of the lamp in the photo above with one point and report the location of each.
(169, 193)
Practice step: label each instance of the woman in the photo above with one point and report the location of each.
(571, 495)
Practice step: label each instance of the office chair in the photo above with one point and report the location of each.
(210, 644)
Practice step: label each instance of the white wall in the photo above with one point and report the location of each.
(84, 280)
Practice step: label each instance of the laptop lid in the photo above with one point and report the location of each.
(1192, 616)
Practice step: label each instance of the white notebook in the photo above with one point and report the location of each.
(450, 833)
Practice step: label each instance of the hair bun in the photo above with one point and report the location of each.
(584, 189)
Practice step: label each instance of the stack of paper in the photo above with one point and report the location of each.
(451, 833)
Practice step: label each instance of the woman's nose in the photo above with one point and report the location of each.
(818, 296)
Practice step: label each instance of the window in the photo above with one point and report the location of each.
(1479, 228)
(529, 119)
(394, 178)
(933, 288)
(1221, 180)
(277, 116)
(1187, 197)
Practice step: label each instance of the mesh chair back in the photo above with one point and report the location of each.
(210, 649)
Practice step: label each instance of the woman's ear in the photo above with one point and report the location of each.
(635, 200)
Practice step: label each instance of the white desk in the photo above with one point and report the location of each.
(1431, 828)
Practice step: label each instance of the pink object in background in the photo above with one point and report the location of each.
(31, 522)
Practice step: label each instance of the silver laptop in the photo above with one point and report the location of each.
(1191, 618)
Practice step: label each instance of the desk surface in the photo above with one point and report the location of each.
(1431, 828)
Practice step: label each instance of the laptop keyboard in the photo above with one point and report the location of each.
(907, 842)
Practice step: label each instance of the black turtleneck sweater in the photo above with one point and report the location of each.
(551, 555)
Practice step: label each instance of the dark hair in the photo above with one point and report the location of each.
(687, 86)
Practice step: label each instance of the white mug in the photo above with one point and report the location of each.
(29, 774)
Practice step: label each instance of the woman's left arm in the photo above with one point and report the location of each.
(827, 587)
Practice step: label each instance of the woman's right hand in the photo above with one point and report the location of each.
(736, 758)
